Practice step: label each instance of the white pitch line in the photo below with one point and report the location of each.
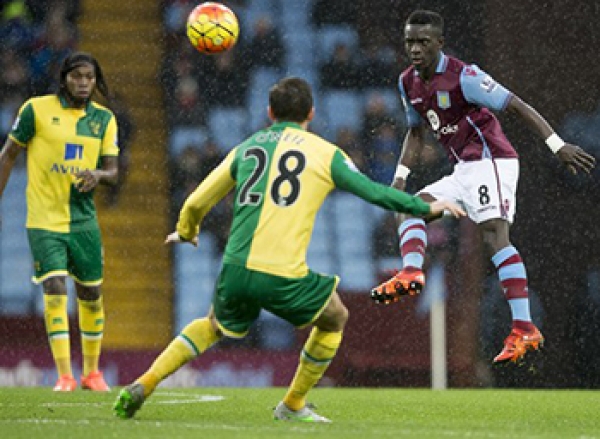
(186, 399)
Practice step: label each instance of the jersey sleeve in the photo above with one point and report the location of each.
(346, 177)
(23, 128)
(110, 144)
(479, 88)
(413, 119)
(210, 191)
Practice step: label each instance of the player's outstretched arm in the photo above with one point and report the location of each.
(438, 207)
(571, 155)
(575, 158)
(174, 238)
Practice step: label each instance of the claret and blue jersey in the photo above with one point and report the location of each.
(456, 104)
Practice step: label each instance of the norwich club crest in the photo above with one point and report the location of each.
(95, 127)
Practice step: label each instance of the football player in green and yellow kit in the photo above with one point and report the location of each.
(71, 148)
(281, 176)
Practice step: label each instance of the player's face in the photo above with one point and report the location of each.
(423, 44)
(81, 82)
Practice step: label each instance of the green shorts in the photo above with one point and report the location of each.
(240, 294)
(77, 254)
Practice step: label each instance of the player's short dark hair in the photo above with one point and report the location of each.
(423, 17)
(75, 60)
(291, 100)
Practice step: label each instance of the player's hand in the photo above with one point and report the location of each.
(576, 158)
(86, 180)
(174, 237)
(439, 207)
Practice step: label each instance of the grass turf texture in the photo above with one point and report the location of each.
(356, 413)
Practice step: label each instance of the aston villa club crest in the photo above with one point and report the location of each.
(443, 100)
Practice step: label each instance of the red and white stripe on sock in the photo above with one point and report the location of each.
(413, 242)
(513, 278)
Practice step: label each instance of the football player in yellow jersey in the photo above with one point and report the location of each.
(281, 176)
(71, 148)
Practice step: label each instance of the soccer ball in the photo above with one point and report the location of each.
(212, 28)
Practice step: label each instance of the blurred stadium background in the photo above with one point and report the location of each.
(181, 111)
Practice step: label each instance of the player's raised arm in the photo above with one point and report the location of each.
(571, 155)
(210, 191)
(348, 178)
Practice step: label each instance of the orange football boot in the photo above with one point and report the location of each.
(407, 282)
(518, 343)
(95, 382)
(65, 383)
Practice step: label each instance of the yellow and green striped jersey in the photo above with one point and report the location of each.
(281, 177)
(60, 142)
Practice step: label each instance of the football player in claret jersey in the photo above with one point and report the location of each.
(281, 176)
(71, 148)
(452, 98)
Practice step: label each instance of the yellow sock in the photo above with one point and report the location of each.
(319, 350)
(91, 326)
(195, 338)
(57, 328)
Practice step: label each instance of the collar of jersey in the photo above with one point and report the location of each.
(441, 66)
(65, 104)
(284, 125)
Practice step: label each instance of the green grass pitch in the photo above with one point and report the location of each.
(216, 413)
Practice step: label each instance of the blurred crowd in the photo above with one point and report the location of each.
(36, 35)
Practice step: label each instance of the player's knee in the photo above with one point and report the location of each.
(345, 316)
(55, 287)
(213, 323)
(88, 293)
(494, 235)
(340, 317)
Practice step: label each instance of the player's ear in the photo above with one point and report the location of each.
(311, 114)
(270, 113)
(441, 41)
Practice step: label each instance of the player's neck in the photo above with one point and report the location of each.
(74, 102)
(426, 75)
(428, 72)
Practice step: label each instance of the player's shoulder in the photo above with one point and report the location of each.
(455, 66)
(39, 105)
(101, 109)
(313, 146)
(42, 101)
(315, 141)
(463, 68)
(407, 73)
